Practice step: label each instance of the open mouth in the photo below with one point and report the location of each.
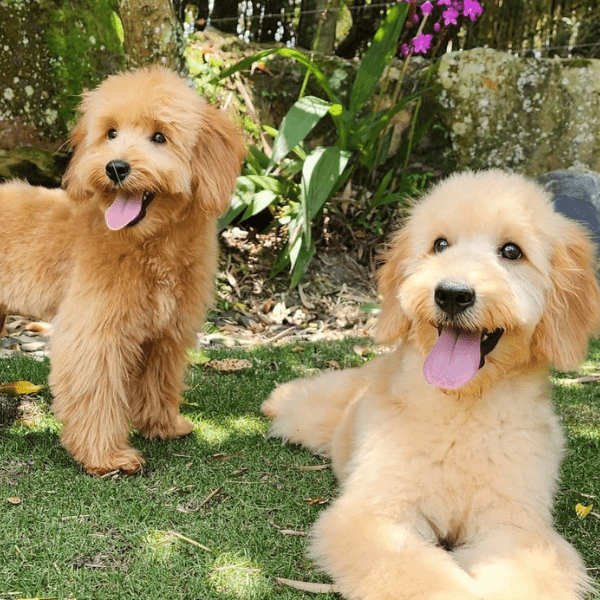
(458, 355)
(127, 209)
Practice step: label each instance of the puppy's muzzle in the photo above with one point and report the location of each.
(454, 297)
(118, 170)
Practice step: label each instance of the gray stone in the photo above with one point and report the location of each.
(527, 114)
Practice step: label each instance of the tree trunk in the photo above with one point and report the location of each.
(318, 14)
(152, 33)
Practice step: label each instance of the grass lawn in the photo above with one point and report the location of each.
(217, 515)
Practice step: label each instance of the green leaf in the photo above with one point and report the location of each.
(378, 55)
(382, 189)
(257, 158)
(300, 261)
(264, 181)
(238, 206)
(297, 124)
(270, 130)
(260, 201)
(247, 62)
(320, 174)
(371, 308)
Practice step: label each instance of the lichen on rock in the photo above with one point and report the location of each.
(528, 114)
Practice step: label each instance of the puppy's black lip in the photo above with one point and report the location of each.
(489, 343)
(489, 340)
(146, 200)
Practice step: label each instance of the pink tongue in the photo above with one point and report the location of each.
(123, 210)
(454, 359)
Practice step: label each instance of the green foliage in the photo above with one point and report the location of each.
(85, 42)
(298, 182)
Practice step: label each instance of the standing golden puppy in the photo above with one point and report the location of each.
(448, 449)
(123, 260)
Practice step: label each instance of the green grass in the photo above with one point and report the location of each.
(226, 487)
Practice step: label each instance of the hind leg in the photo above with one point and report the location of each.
(155, 399)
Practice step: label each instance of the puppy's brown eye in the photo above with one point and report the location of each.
(440, 245)
(112, 134)
(159, 138)
(511, 251)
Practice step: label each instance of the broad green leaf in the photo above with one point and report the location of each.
(297, 124)
(322, 170)
(237, 208)
(257, 158)
(378, 55)
(301, 261)
(260, 201)
(264, 181)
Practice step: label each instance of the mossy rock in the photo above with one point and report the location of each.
(529, 114)
(50, 52)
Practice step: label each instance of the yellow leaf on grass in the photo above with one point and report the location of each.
(18, 388)
(197, 357)
(583, 511)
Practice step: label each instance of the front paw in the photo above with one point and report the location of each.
(128, 461)
(272, 406)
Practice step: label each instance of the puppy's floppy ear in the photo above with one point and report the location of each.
(217, 160)
(72, 178)
(572, 311)
(393, 324)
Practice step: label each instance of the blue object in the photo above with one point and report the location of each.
(577, 196)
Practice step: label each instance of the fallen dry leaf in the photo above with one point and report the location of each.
(14, 500)
(287, 531)
(307, 586)
(189, 540)
(313, 467)
(316, 500)
(361, 351)
(222, 456)
(41, 327)
(210, 496)
(229, 364)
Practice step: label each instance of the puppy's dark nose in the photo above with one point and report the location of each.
(117, 170)
(454, 297)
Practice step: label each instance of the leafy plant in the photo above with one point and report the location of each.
(307, 180)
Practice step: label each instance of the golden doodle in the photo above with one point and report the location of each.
(448, 449)
(122, 260)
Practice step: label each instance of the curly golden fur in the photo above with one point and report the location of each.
(447, 492)
(123, 259)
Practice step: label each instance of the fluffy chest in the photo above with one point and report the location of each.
(435, 448)
(165, 283)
